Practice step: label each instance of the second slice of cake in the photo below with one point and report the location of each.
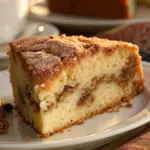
(59, 81)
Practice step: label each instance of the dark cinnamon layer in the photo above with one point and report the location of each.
(109, 108)
(127, 73)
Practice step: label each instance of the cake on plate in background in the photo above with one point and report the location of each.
(110, 9)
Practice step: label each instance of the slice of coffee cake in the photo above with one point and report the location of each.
(59, 81)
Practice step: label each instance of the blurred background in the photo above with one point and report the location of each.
(126, 20)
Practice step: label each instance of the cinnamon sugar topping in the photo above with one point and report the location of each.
(40, 64)
(45, 56)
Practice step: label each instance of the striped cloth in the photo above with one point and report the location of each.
(138, 139)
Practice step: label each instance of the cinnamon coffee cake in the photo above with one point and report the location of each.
(103, 9)
(59, 81)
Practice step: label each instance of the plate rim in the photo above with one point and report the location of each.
(74, 20)
(85, 139)
(86, 23)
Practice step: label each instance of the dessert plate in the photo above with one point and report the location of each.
(96, 131)
(85, 24)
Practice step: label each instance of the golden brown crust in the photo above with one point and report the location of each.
(43, 57)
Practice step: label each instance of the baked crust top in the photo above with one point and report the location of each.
(44, 56)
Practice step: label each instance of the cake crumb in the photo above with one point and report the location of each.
(28, 139)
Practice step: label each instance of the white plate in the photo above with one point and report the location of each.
(31, 28)
(87, 24)
(95, 131)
